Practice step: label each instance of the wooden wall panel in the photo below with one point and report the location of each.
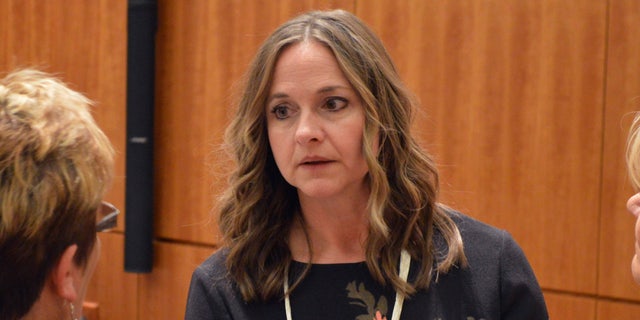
(114, 290)
(83, 42)
(512, 95)
(608, 310)
(568, 307)
(203, 49)
(163, 294)
(623, 97)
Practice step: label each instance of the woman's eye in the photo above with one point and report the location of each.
(281, 112)
(335, 104)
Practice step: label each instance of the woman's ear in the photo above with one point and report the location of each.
(64, 274)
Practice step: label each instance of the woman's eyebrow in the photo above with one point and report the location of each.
(332, 88)
(323, 90)
(277, 95)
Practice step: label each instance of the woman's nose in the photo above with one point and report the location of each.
(309, 128)
(633, 205)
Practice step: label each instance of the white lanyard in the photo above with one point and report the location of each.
(405, 262)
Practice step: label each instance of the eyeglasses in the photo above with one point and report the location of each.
(106, 217)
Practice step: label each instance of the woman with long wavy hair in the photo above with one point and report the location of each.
(331, 211)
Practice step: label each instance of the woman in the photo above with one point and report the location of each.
(331, 212)
(633, 205)
(55, 167)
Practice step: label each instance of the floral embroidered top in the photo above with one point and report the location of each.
(498, 284)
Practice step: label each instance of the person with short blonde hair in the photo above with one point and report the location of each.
(633, 204)
(55, 168)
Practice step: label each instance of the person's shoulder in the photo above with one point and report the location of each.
(211, 289)
(483, 241)
(471, 228)
(214, 267)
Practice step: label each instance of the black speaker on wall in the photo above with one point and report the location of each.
(141, 32)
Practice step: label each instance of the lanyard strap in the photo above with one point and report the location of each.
(405, 263)
(287, 301)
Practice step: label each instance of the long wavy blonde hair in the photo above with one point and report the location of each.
(258, 209)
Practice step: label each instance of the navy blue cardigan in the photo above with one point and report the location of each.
(498, 284)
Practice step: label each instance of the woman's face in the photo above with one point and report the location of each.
(315, 122)
(633, 205)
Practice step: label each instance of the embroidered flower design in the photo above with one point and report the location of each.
(362, 297)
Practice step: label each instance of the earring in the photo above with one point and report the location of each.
(72, 310)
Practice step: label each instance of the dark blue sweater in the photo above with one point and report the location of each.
(498, 284)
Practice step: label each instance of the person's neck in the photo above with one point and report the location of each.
(47, 307)
(337, 231)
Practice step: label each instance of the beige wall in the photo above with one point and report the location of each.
(525, 108)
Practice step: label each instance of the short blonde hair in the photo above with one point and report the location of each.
(633, 153)
(55, 167)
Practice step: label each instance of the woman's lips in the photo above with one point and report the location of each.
(315, 161)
